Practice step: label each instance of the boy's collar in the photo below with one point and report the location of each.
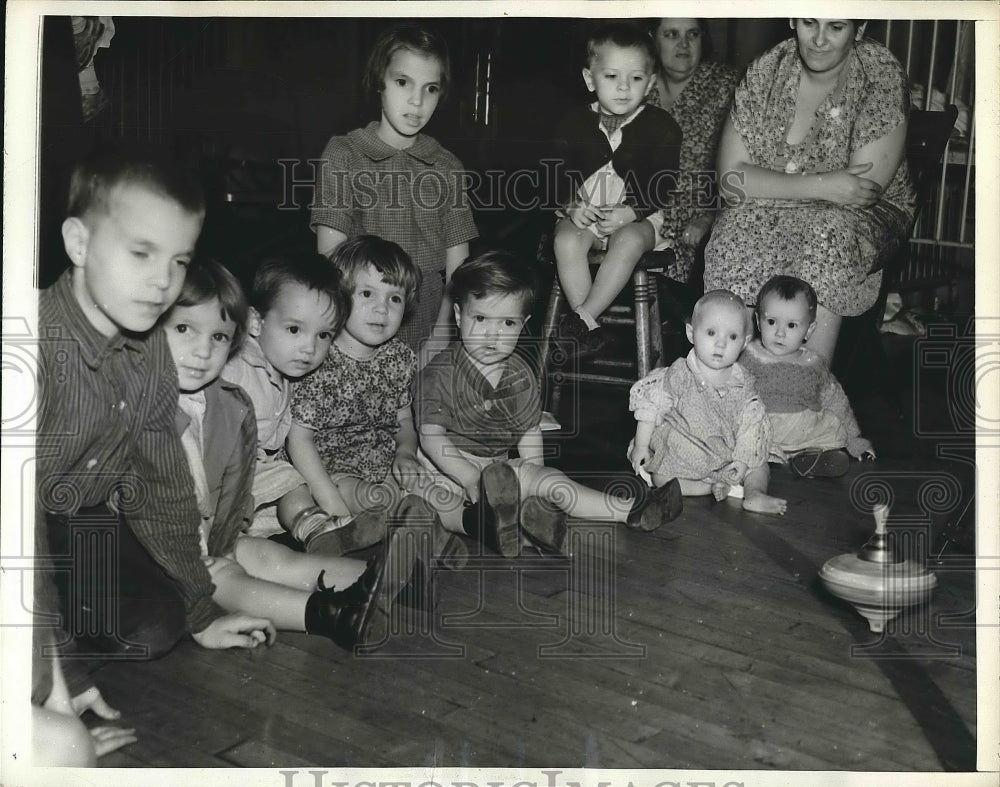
(252, 353)
(423, 149)
(93, 344)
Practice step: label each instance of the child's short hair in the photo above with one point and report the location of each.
(95, 176)
(207, 279)
(310, 269)
(492, 273)
(352, 256)
(405, 36)
(787, 288)
(723, 298)
(625, 35)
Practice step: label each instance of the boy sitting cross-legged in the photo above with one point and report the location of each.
(478, 400)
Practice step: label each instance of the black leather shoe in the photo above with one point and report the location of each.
(345, 615)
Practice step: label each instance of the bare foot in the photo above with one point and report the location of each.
(720, 491)
(760, 503)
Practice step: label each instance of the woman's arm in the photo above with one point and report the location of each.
(739, 178)
(302, 451)
(885, 155)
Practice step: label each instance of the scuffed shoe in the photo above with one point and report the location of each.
(363, 531)
(655, 507)
(499, 498)
(543, 524)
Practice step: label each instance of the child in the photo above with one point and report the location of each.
(296, 308)
(107, 452)
(388, 179)
(700, 420)
(811, 419)
(352, 431)
(628, 152)
(478, 400)
(218, 432)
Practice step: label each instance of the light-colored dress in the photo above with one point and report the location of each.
(834, 248)
(698, 428)
(805, 404)
(700, 110)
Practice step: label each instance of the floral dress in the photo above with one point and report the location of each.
(353, 405)
(832, 247)
(700, 111)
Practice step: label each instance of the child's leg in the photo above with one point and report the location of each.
(267, 560)
(648, 510)
(625, 248)
(301, 499)
(238, 591)
(755, 497)
(689, 487)
(571, 245)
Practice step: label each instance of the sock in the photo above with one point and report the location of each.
(589, 321)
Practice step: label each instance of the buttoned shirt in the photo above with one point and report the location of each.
(481, 418)
(106, 434)
(270, 393)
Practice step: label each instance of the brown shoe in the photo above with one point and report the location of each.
(543, 524)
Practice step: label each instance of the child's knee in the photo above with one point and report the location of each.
(61, 740)
(632, 241)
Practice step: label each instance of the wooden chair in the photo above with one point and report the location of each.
(643, 314)
(861, 354)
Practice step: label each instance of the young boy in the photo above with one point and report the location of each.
(620, 158)
(478, 400)
(108, 456)
(296, 309)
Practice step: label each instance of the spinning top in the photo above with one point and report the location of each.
(876, 580)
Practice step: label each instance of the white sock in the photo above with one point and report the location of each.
(589, 321)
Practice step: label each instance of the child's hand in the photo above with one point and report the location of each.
(408, 471)
(734, 473)
(615, 217)
(236, 630)
(638, 456)
(109, 739)
(584, 215)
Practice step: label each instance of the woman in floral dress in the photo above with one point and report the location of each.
(812, 163)
(697, 94)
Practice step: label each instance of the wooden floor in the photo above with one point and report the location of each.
(706, 644)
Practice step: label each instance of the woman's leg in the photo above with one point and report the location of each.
(571, 245)
(625, 249)
(824, 336)
(270, 561)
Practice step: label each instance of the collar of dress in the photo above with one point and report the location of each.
(424, 149)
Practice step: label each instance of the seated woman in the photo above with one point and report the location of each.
(811, 164)
(697, 93)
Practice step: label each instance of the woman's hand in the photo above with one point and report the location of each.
(846, 187)
(696, 230)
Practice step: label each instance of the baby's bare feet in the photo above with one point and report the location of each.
(720, 491)
(765, 504)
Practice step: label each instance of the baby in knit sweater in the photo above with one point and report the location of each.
(700, 420)
(811, 419)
